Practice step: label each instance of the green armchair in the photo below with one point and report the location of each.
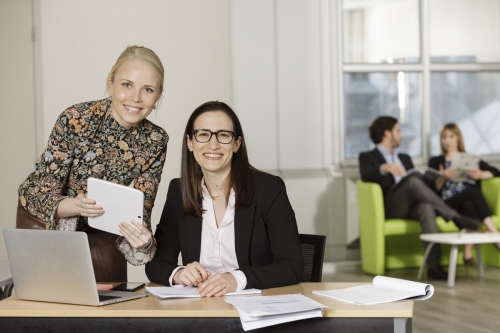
(395, 243)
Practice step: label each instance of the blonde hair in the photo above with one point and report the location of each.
(453, 128)
(139, 53)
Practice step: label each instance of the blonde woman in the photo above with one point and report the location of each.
(460, 195)
(109, 139)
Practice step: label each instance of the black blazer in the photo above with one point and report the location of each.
(369, 167)
(266, 237)
(436, 161)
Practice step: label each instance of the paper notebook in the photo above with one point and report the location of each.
(383, 290)
(189, 292)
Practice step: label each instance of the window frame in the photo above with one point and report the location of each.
(425, 68)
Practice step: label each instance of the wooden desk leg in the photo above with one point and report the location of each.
(480, 266)
(424, 261)
(452, 266)
(402, 325)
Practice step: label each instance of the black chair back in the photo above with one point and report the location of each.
(313, 252)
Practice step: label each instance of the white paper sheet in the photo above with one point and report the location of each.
(250, 323)
(260, 306)
(262, 311)
(188, 292)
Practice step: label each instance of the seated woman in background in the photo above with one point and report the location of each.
(461, 195)
(233, 224)
(109, 139)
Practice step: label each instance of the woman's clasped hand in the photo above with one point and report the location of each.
(195, 274)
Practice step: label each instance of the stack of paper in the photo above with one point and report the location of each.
(383, 290)
(262, 311)
(188, 292)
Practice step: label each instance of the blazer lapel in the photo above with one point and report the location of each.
(243, 225)
(379, 156)
(193, 233)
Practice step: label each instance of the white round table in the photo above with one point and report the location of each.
(455, 239)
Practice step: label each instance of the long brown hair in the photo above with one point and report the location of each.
(240, 176)
(453, 128)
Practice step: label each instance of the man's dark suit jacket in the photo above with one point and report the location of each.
(369, 167)
(267, 242)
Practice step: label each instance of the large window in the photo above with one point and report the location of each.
(369, 95)
(383, 31)
(472, 101)
(427, 63)
(464, 31)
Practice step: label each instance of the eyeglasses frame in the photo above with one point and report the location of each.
(216, 135)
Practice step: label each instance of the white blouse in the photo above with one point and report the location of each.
(218, 253)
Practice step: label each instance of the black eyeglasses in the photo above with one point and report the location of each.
(204, 135)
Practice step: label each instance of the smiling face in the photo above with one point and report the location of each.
(213, 157)
(449, 141)
(134, 89)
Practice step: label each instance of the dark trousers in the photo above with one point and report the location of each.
(471, 203)
(108, 262)
(412, 198)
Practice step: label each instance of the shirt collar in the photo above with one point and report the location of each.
(385, 152)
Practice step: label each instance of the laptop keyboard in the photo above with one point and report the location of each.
(104, 298)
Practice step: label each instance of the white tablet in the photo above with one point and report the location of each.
(120, 203)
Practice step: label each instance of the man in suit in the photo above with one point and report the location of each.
(406, 196)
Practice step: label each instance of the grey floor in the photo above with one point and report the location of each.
(472, 306)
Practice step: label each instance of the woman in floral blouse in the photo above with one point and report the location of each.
(110, 139)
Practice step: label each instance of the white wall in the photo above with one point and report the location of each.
(17, 136)
(79, 41)
(283, 70)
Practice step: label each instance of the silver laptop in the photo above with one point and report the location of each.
(55, 266)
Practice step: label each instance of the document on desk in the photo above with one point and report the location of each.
(262, 311)
(383, 290)
(189, 292)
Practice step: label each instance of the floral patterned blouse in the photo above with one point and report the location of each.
(86, 141)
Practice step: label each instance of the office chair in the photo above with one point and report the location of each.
(7, 292)
(313, 252)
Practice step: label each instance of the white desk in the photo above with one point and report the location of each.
(454, 239)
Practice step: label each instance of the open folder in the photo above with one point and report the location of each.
(383, 290)
(188, 292)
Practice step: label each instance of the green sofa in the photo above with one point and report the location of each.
(395, 243)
